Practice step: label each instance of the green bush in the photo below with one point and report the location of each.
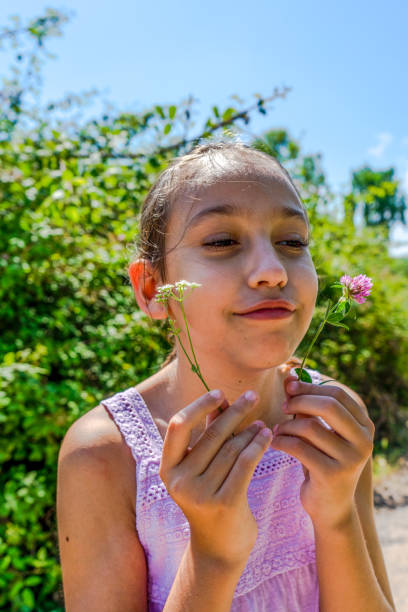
(73, 334)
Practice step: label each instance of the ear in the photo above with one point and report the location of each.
(145, 281)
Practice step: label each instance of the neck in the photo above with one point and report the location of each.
(183, 386)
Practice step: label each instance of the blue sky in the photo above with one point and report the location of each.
(346, 63)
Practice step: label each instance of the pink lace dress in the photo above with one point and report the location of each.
(280, 575)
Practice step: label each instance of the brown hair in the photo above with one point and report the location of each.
(202, 166)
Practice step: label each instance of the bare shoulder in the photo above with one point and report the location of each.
(95, 426)
(96, 519)
(94, 440)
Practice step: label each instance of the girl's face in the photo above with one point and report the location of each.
(236, 240)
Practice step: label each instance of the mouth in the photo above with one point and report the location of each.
(267, 313)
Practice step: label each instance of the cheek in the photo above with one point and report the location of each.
(308, 282)
(308, 297)
(313, 287)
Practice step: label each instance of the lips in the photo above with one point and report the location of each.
(268, 305)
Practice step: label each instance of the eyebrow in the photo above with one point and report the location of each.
(230, 209)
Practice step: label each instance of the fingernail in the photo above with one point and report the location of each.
(250, 396)
(216, 394)
(275, 429)
(293, 386)
(285, 406)
(260, 423)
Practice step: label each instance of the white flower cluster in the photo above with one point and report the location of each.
(175, 291)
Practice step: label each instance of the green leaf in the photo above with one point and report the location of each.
(33, 580)
(5, 562)
(338, 325)
(160, 111)
(72, 214)
(334, 317)
(167, 128)
(172, 111)
(28, 598)
(216, 111)
(303, 375)
(228, 113)
(340, 306)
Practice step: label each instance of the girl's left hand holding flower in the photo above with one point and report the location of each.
(333, 459)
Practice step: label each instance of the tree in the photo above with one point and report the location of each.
(305, 170)
(379, 194)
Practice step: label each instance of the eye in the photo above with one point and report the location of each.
(297, 242)
(223, 243)
(215, 244)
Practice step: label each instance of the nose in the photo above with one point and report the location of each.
(266, 266)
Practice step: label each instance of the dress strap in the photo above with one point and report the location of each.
(135, 423)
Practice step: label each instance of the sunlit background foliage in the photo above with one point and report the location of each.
(70, 193)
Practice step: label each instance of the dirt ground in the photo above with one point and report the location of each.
(391, 516)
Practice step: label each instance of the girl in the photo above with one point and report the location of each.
(171, 499)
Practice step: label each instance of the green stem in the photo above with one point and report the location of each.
(198, 372)
(188, 333)
(319, 329)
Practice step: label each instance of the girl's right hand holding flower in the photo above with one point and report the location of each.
(210, 481)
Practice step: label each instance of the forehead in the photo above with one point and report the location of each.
(255, 194)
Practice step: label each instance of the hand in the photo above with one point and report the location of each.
(333, 459)
(210, 480)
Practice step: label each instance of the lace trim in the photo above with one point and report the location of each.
(135, 423)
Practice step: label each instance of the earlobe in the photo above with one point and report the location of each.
(144, 283)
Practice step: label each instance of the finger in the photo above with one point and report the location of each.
(178, 433)
(213, 415)
(287, 380)
(313, 432)
(336, 393)
(219, 468)
(333, 413)
(313, 459)
(238, 479)
(211, 440)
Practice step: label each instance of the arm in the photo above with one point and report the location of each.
(347, 579)
(201, 584)
(337, 494)
(365, 508)
(358, 544)
(102, 560)
(210, 484)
